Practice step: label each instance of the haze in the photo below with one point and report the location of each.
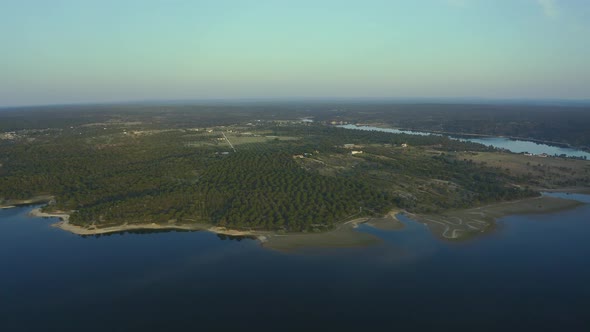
(103, 51)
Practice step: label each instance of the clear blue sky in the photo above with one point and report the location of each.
(67, 51)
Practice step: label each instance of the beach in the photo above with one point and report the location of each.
(448, 225)
(65, 225)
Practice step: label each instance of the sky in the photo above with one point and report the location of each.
(76, 51)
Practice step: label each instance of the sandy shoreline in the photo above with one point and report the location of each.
(65, 225)
(449, 225)
(343, 236)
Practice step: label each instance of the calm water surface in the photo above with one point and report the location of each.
(517, 146)
(533, 273)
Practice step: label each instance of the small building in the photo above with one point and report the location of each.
(404, 145)
(356, 152)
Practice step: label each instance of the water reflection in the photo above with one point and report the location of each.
(533, 274)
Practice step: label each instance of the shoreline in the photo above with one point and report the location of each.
(570, 190)
(13, 203)
(449, 225)
(474, 135)
(65, 225)
(343, 235)
(466, 223)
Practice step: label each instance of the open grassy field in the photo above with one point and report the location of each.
(239, 139)
(543, 173)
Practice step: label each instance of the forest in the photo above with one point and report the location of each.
(174, 166)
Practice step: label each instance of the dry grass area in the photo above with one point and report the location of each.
(238, 139)
(543, 173)
(330, 164)
(462, 224)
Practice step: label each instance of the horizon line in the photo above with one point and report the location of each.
(406, 100)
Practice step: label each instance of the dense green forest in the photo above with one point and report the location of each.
(165, 167)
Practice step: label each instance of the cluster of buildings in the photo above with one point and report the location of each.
(542, 155)
(356, 147)
(353, 147)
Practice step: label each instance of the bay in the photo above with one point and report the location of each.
(531, 273)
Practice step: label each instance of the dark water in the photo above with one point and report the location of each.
(533, 273)
(516, 146)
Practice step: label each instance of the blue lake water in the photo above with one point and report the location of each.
(517, 146)
(532, 273)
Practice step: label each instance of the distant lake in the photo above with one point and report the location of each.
(516, 146)
(530, 274)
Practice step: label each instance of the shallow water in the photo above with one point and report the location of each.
(516, 146)
(532, 273)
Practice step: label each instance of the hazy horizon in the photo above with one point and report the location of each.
(573, 102)
(80, 52)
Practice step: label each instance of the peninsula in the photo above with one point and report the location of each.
(269, 174)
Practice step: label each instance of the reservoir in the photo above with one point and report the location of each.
(531, 273)
(516, 146)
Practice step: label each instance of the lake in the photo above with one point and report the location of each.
(516, 146)
(530, 274)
